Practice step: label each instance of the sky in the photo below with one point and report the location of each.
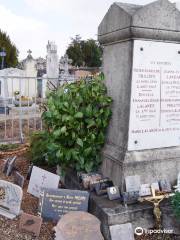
(31, 23)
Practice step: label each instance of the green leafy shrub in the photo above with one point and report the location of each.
(76, 120)
(175, 201)
(38, 148)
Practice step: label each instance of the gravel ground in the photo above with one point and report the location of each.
(9, 229)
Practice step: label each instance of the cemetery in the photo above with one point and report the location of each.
(104, 163)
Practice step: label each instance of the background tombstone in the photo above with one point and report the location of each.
(122, 232)
(5, 166)
(78, 226)
(141, 43)
(18, 179)
(133, 183)
(9, 165)
(41, 178)
(10, 199)
(165, 186)
(145, 190)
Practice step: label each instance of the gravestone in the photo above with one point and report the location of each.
(122, 232)
(165, 186)
(54, 203)
(18, 179)
(113, 193)
(133, 183)
(78, 226)
(29, 172)
(10, 199)
(145, 190)
(5, 165)
(100, 186)
(30, 223)
(130, 197)
(41, 178)
(88, 179)
(9, 166)
(177, 188)
(141, 46)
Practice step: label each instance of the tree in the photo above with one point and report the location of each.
(84, 52)
(11, 58)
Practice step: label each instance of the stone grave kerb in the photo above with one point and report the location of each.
(120, 28)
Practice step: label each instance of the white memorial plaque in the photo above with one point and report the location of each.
(155, 96)
(145, 190)
(133, 183)
(41, 178)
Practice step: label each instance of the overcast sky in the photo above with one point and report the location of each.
(31, 23)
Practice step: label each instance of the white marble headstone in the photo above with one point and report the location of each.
(145, 190)
(122, 232)
(133, 183)
(41, 178)
(10, 199)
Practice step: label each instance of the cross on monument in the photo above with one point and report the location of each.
(29, 52)
(43, 177)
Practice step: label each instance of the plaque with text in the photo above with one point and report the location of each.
(155, 96)
(55, 203)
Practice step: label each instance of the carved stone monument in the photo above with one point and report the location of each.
(142, 70)
(10, 199)
(78, 226)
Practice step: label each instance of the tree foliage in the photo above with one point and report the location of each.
(11, 58)
(76, 120)
(85, 52)
(175, 201)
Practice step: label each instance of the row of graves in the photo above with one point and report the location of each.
(69, 208)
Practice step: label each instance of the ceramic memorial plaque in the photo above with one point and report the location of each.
(133, 183)
(41, 178)
(54, 203)
(78, 226)
(145, 190)
(18, 179)
(130, 197)
(100, 186)
(122, 232)
(30, 223)
(87, 179)
(10, 199)
(113, 193)
(165, 186)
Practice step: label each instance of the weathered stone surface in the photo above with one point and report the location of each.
(41, 178)
(78, 226)
(158, 20)
(123, 22)
(18, 179)
(30, 223)
(122, 232)
(133, 183)
(10, 199)
(140, 214)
